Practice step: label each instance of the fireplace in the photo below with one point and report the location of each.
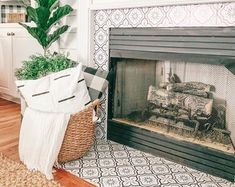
(162, 102)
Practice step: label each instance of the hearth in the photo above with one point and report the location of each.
(168, 95)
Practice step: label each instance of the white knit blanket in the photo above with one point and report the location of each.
(51, 100)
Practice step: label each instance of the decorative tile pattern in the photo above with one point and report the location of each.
(219, 14)
(179, 15)
(226, 13)
(117, 164)
(203, 15)
(125, 166)
(135, 17)
(117, 18)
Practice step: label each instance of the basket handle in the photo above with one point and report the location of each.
(96, 103)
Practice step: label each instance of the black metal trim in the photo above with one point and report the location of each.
(213, 45)
(200, 157)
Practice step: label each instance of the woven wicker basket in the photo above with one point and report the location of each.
(79, 135)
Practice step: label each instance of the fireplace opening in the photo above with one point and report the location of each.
(149, 95)
(173, 94)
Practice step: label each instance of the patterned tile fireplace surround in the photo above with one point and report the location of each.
(167, 16)
(110, 164)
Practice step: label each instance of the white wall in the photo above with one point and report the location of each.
(69, 41)
(77, 41)
(85, 32)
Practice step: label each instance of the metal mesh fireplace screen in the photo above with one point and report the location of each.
(192, 102)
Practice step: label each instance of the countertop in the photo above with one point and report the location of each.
(10, 25)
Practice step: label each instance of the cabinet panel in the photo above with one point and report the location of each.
(23, 48)
(5, 63)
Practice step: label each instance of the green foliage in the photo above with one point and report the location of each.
(45, 16)
(38, 66)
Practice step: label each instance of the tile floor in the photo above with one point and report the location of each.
(109, 164)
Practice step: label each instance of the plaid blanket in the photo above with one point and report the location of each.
(96, 80)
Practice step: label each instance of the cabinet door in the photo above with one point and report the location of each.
(23, 46)
(5, 63)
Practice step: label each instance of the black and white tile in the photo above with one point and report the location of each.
(109, 164)
(214, 14)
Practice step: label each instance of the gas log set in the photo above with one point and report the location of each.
(188, 109)
(188, 122)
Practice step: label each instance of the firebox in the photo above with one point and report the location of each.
(172, 94)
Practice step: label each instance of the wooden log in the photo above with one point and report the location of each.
(170, 113)
(193, 88)
(178, 87)
(180, 125)
(196, 92)
(181, 118)
(197, 105)
(163, 85)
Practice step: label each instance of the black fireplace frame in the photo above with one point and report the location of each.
(218, 46)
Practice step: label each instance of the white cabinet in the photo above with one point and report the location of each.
(16, 45)
(23, 46)
(5, 63)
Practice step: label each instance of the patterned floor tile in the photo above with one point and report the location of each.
(130, 181)
(148, 180)
(140, 161)
(166, 179)
(160, 169)
(124, 171)
(108, 172)
(106, 162)
(143, 170)
(123, 162)
(109, 164)
(184, 178)
(111, 181)
(90, 172)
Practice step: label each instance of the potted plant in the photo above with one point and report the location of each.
(46, 29)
